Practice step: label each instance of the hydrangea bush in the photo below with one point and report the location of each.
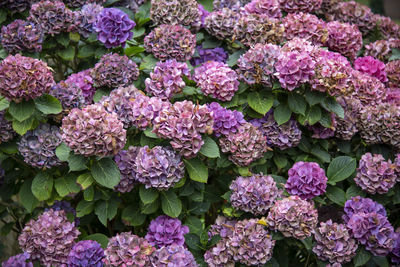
(195, 133)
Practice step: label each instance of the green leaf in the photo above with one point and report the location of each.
(99, 95)
(88, 194)
(261, 103)
(315, 97)
(68, 54)
(211, 43)
(341, 168)
(133, 216)
(106, 172)
(195, 225)
(63, 39)
(361, 258)
(197, 170)
(3, 15)
(4, 103)
(86, 51)
(62, 152)
(336, 195)
(84, 208)
(331, 105)
(207, 4)
(48, 104)
(280, 161)
(170, 204)
(297, 103)
(193, 242)
(133, 50)
(354, 191)
(99, 238)
(314, 115)
(85, 180)
(106, 210)
(42, 186)
(149, 133)
(233, 59)
(77, 163)
(148, 63)
(148, 195)
(321, 154)
(210, 148)
(150, 208)
(22, 111)
(380, 261)
(189, 90)
(22, 127)
(395, 54)
(66, 185)
(27, 199)
(282, 114)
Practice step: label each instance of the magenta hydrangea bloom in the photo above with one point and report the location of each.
(393, 73)
(250, 243)
(127, 249)
(212, 54)
(255, 194)
(374, 231)
(38, 147)
(166, 80)
(158, 167)
(257, 65)
(369, 90)
(113, 27)
(165, 231)
(306, 180)
(93, 131)
(334, 243)
(173, 256)
(245, 146)
(294, 69)
(24, 78)
(344, 38)
(293, 217)
(225, 121)
(217, 79)
(372, 67)
(87, 18)
(375, 175)
(271, 8)
(84, 81)
(171, 42)
(307, 6)
(21, 36)
(387, 27)
(49, 238)
(86, 253)
(126, 160)
(305, 26)
(282, 136)
(53, 17)
(346, 128)
(381, 49)
(20, 260)
(114, 71)
(361, 205)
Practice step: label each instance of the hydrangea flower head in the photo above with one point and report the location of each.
(173, 256)
(21, 36)
(361, 205)
(86, 253)
(173, 12)
(20, 260)
(165, 231)
(372, 67)
(225, 121)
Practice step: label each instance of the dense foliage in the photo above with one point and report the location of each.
(199, 133)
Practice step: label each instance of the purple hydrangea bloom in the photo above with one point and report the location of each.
(394, 255)
(225, 121)
(255, 194)
(125, 160)
(293, 217)
(165, 231)
(361, 205)
(16, 5)
(87, 18)
(173, 256)
(294, 69)
(369, 90)
(126, 249)
(217, 79)
(221, 23)
(173, 12)
(388, 28)
(20, 260)
(320, 131)
(218, 256)
(375, 175)
(21, 36)
(382, 49)
(84, 81)
(372, 67)
(234, 5)
(166, 79)
(203, 14)
(86, 253)
(271, 8)
(24, 78)
(306, 180)
(70, 96)
(113, 27)
(49, 238)
(346, 128)
(283, 136)
(67, 208)
(212, 54)
(250, 243)
(374, 231)
(245, 146)
(257, 65)
(158, 167)
(334, 243)
(38, 147)
(222, 227)
(171, 41)
(307, 6)
(6, 131)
